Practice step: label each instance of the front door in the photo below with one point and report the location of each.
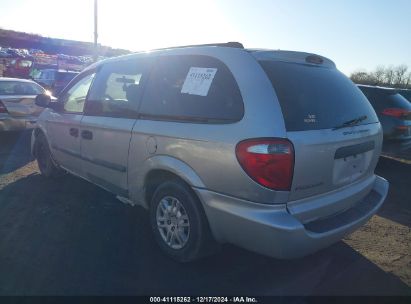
(63, 126)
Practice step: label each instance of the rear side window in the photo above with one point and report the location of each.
(313, 97)
(192, 88)
(117, 90)
(20, 88)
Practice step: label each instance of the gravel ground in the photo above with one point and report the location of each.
(68, 237)
(386, 239)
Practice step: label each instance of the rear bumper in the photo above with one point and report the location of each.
(9, 123)
(272, 230)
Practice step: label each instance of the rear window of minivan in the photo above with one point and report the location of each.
(316, 97)
(398, 101)
(385, 98)
(406, 94)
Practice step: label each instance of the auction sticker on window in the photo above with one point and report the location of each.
(198, 81)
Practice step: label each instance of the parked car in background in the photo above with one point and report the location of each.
(19, 67)
(273, 151)
(17, 108)
(406, 94)
(393, 110)
(55, 80)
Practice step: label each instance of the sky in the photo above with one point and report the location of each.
(355, 34)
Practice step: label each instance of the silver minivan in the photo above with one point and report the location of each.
(273, 151)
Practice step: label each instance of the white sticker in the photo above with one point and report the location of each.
(198, 81)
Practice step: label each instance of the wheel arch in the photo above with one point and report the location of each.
(161, 168)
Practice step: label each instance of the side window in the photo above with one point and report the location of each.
(117, 90)
(75, 97)
(192, 88)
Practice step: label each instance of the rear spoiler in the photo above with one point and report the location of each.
(291, 56)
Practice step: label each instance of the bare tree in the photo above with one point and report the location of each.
(379, 75)
(386, 76)
(400, 75)
(389, 75)
(360, 77)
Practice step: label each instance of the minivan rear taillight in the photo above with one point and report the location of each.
(403, 130)
(398, 113)
(269, 162)
(3, 108)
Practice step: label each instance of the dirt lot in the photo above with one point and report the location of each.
(68, 237)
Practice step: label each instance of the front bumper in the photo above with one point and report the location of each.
(10, 123)
(272, 230)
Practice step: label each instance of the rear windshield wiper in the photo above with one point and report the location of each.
(351, 123)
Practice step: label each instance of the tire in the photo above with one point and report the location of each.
(45, 162)
(177, 215)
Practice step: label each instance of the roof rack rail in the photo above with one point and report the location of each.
(232, 44)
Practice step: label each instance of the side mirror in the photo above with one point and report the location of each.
(43, 100)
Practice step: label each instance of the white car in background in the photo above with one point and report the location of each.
(17, 108)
